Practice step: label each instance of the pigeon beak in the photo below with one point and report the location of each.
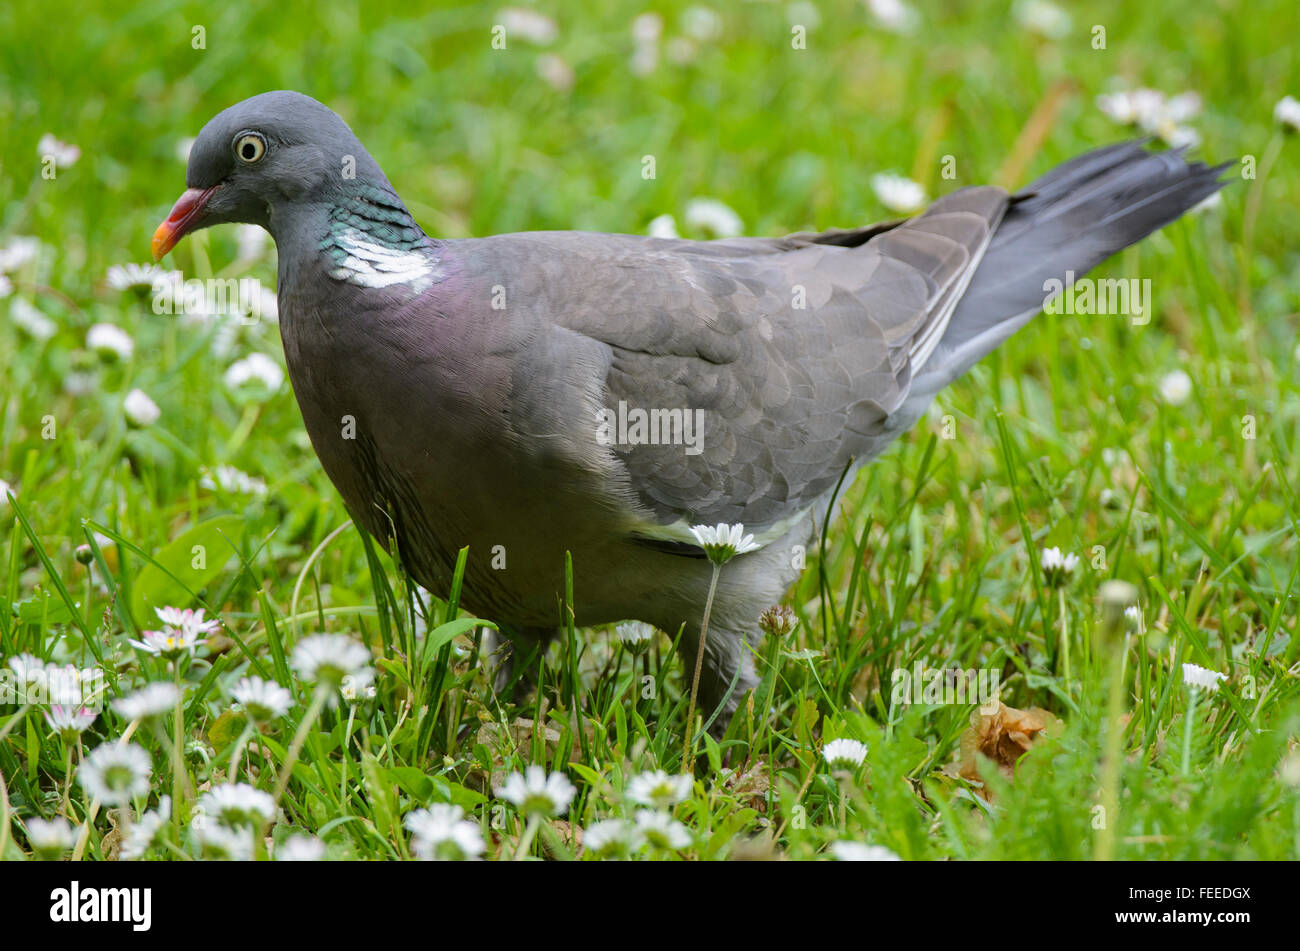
(185, 213)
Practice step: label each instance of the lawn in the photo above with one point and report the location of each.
(1161, 453)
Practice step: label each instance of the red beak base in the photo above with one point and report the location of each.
(184, 215)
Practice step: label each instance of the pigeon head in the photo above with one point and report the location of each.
(260, 156)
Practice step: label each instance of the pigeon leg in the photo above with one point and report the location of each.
(519, 653)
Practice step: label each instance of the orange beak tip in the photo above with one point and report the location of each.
(162, 241)
(184, 215)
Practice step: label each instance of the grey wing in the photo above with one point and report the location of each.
(792, 353)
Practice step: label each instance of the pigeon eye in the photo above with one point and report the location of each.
(250, 147)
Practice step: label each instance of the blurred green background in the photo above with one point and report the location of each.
(477, 143)
(1066, 434)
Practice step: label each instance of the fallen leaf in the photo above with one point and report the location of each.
(1004, 735)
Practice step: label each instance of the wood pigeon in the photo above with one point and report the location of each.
(528, 395)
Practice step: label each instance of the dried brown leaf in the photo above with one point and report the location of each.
(1003, 735)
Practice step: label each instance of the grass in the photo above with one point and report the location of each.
(1062, 438)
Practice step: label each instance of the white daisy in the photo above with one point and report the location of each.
(860, 852)
(647, 28)
(231, 480)
(702, 24)
(125, 277)
(894, 15)
(69, 722)
(556, 72)
(1057, 567)
(300, 848)
(636, 636)
(266, 304)
(1212, 202)
(50, 838)
(329, 658)
(713, 217)
(189, 620)
(646, 31)
(682, 50)
(115, 774)
(1184, 106)
(658, 789)
(80, 383)
(1133, 617)
(1202, 678)
(529, 25)
(1287, 113)
(183, 631)
(724, 542)
(1289, 770)
(898, 193)
(6, 286)
(20, 250)
(664, 226)
(140, 410)
(63, 154)
(1175, 387)
(151, 700)
(535, 793)
(169, 644)
(238, 804)
(110, 342)
(5, 491)
(440, 833)
(65, 685)
(1154, 113)
(356, 691)
(1043, 18)
(262, 700)
(661, 830)
(30, 671)
(217, 843)
(804, 12)
(24, 315)
(255, 368)
(845, 753)
(143, 834)
(612, 838)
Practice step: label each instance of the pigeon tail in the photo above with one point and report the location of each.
(1056, 230)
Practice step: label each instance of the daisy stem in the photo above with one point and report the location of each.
(1189, 720)
(4, 816)
(67, 777)
(178, 756)
(688, 741)
(318, 701)
(124, 817)
(1112, 758)
(526, 840)
(1065, 637)
(347, 736)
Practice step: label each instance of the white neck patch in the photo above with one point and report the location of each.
(369, 264)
